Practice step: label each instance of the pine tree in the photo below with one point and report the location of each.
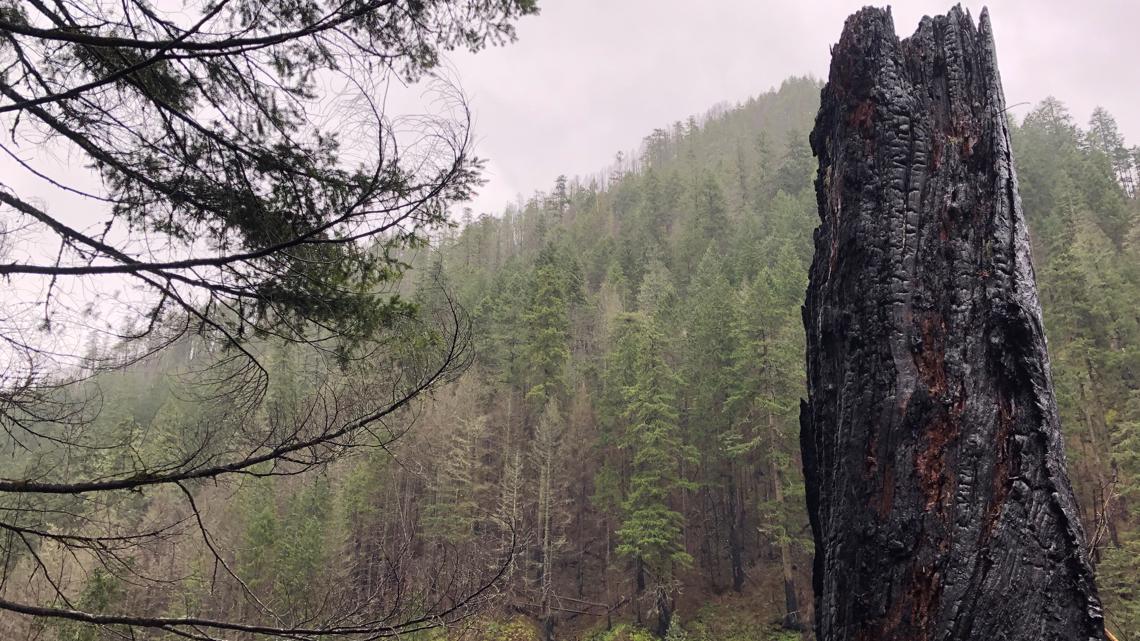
(764, 392)
(1104, 137)
(260, 548)
(553, 287)
(302, 549)
(651, 529)
(796, 167)
(707, 350)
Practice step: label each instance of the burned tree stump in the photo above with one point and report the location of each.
(936, 482)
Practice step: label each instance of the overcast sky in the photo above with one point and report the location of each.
(589, 77)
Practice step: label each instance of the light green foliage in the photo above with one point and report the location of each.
(500, 315)
(1126, 444)
(657, 295)
(283, 548)
(355, 492)
(675, 631)
(1077, 188)
(622, 632)
(797, 166)
(260, 544)
(708, 347)
(1117, 580)
(737, 619)
(302, 557)
(651, 529)
(765, 386)
(102, 593)
(669, 299)
(516, 629)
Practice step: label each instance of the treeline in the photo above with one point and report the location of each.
(1078, 189)
(626, 434)
(640, 365)
(640, 360)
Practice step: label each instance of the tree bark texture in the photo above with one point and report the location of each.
(936, 482)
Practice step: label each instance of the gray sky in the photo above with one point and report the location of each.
(590, 77)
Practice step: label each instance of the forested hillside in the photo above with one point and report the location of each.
(621, 452)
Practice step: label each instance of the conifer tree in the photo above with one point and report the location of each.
(547, 317)
(651, 529)
(707, 350)
(763, 395)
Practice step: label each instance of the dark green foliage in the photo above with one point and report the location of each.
(1078, 188)
(708, 241)
(233, 202)
(102, 592)
(638, 371)
(650, 530)
(554, 286)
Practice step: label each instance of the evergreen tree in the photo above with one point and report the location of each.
(707, 351)
(651, 529)
(554, 287)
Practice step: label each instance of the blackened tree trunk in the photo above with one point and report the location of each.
(936, 483)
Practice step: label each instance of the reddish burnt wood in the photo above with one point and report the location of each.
(936, 483)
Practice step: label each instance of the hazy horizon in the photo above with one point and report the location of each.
(586, 79)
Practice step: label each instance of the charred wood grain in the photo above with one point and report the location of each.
(936, 483)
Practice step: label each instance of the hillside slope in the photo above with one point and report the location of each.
(629, 422)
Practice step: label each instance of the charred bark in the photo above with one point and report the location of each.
(936, 483)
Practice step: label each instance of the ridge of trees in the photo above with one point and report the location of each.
(628, 420)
